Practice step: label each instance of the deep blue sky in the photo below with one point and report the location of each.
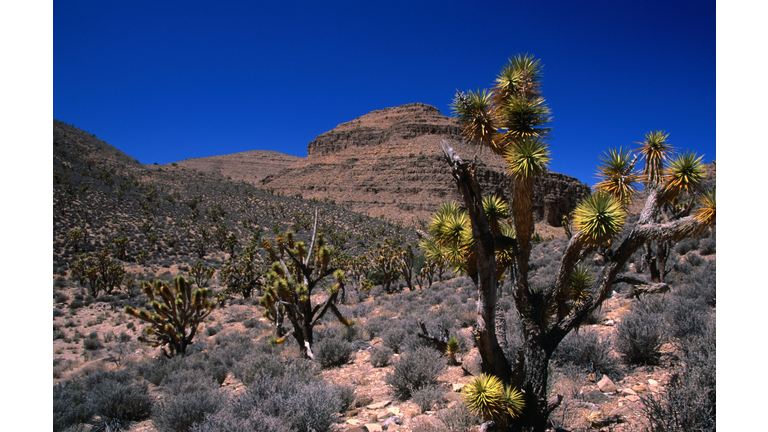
(166, 81)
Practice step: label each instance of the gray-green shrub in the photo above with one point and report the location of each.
(414, 370)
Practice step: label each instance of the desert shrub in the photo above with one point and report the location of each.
(686, 316)
(302, 401)
(688, 400)
(380, 356)
(124, 337)
(211, 330)
(92, 343)
(332, 351)
(427, 396)
(254, 421)
(179, 413)
(113, 396)
(707, 246)
(414, 370)
(60, 297)
(375, 326)
(694, 260)
(158, 369)
(686, 245)
(697, 283)
(252, 323)
(458, 418)
(185, 381)
(258, 364)
(392, 337)
(585, 350)
(75, 304)
(230, 348)
(346, 396)
(118, 404)
(641, 333)
(70, 405)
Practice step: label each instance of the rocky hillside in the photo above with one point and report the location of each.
(389, 163)
(170, 215)
(251, 166)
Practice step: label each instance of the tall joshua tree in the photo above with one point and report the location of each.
(297, 269)
(511, 119)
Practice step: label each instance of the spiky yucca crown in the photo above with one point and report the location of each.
(599, 217)
(655, 150)
(488, 397)
(684, 174)
(527, 158)
(707, 212)
(617, 174)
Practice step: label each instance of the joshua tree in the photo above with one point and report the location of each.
(383, 260)
(404, 259)
(511, 120)
(75, 237)
(201, 274)
(244, 273)
(296, 271)
(178, 311)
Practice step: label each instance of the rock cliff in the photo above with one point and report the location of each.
(389, 163)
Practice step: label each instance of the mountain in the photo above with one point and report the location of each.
(250, 166)
(389, 163)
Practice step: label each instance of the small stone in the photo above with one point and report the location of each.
(363, 401)
(392, 421)
(378, 405)
(606, 385)
(652, 382)
(633, 398)
(373, 427)
(609, 323)
(640, 388)
(457, 387)
(381, 415)
(595, 397)
(628, 392)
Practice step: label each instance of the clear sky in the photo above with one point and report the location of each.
(164, 81)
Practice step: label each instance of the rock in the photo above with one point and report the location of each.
(363, 401)
(595, 397)
(628, 392)
(358, 429)
(457, 387)
(606, 385)
(378, 405)
(395, 420)
(373, 427)
(383, 414)
(639, 388)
